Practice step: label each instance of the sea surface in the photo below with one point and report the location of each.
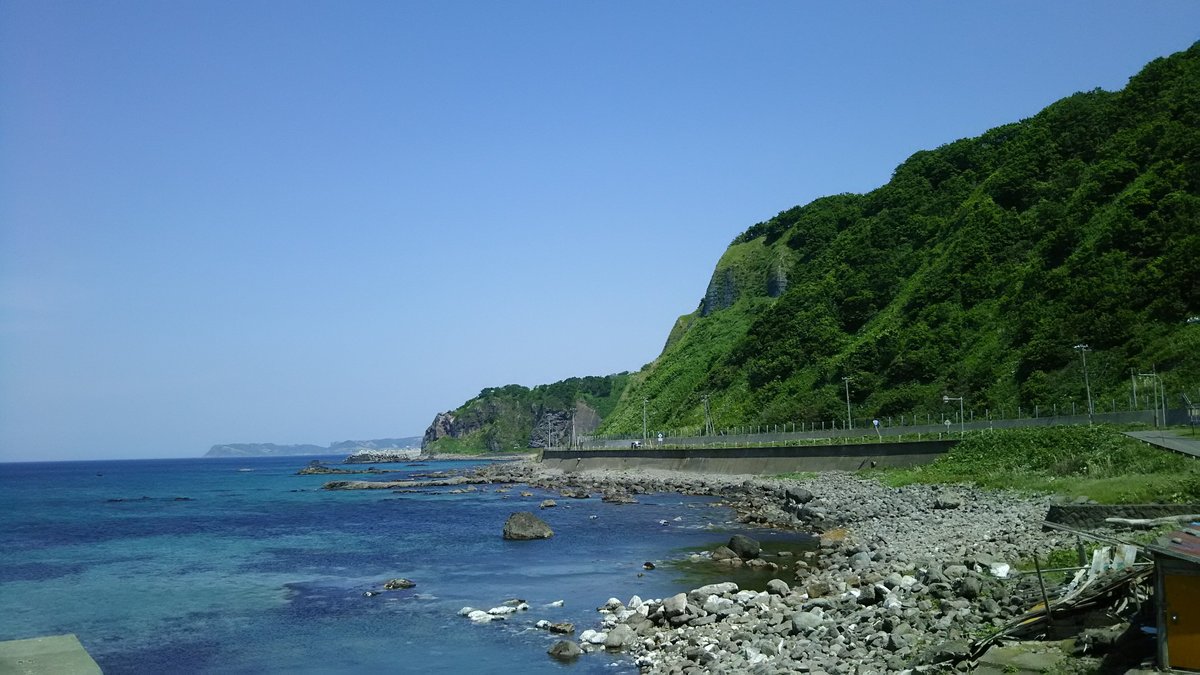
(234, 565)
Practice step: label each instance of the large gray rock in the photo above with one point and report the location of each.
(619, 637)
(565, 650)
(723, 553)
(804, 622)
(675, 605)
(524, 525)
(970, 588)
(947, 499)
(745, 547)
(702, 593)
(860, 560)
(798, 495)
(778, 587)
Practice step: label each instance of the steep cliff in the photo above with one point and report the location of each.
(974, 272)
(981, 270)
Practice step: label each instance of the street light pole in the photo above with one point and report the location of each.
(947, 399)
(849, 420)
(1083, 350)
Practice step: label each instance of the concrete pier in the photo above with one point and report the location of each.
(53, 655)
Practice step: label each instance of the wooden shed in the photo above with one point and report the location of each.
(1177, 587)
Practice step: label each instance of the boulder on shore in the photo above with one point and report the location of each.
(524, 525)
(745, 547)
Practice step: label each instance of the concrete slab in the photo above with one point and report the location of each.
(53, 655)
(1024, 658)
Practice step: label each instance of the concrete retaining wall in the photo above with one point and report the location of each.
(1084, 516)
(752, 460)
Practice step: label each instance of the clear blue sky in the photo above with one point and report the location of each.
(279, 221)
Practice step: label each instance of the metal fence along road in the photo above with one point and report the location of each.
(784, 434)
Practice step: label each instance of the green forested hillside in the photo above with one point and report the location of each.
(514, 417)
(973, 272)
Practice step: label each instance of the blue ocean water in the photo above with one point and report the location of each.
(240, 566)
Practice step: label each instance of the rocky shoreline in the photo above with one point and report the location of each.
(904, 577)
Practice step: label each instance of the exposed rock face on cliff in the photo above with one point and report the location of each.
(443, 425)
(504, 419)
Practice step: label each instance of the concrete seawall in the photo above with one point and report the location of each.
(748, 460)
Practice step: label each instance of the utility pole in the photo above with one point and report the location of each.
(1134, 379)
(961, 428)
(1163, 387)
(849, 420)
(1083, 350)
(1155, 381)
(549, 438)
(644, 402)
(708, 423)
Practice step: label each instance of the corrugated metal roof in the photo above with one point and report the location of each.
(1182, 544)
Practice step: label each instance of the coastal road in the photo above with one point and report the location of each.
(1168, 440)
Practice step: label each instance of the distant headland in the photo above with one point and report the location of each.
(337, 448)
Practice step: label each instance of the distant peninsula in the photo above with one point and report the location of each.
(337, 448)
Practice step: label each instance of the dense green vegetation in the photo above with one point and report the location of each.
(973, 272)
(514, 417)
(1095, 462)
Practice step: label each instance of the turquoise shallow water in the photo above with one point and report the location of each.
(239, 566)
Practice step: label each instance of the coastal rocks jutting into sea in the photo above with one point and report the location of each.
(903, 576)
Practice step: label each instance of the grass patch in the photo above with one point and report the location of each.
(1095, 462)
(454, 446)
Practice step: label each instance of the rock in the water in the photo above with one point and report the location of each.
(647, 565)
(565, 650)
(564, 628)
(398, 584)
(524, 525)
(479, 616)
(593, 637)
(745, 547)
(547, 504)
(723, 553)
